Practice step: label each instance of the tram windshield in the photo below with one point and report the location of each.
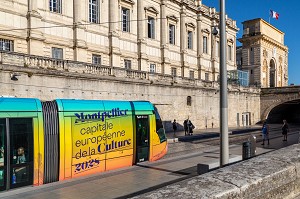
(159, 127)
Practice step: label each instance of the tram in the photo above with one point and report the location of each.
(44, 142)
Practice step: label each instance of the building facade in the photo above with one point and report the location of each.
(263, 54)
(172, 37)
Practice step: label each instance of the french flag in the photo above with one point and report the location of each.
(274, 14)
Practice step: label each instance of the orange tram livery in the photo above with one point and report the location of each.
(44, 142)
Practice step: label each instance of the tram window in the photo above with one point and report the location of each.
(21, 146)
(2, 147)
(21, 134)
(159, 127)
(2, 139)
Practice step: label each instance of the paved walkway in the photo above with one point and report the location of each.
(210, 132)
(135, 180)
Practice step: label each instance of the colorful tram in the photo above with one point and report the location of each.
(44, 142)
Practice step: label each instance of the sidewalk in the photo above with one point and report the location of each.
(209, 133)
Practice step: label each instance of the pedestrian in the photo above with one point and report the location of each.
(285, 130)
(190, 127)
(265, 133)
(185, 126)
(174, 126)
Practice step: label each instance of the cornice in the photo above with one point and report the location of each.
(263, 37)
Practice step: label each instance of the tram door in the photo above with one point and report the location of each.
(142, 138)
(16, 153)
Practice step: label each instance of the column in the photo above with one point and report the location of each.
(35, 37)
(114, 38)
(80, 45)
(183, 35)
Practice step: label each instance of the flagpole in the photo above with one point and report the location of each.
(269, 15)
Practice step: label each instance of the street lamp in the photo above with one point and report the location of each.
(224, 148)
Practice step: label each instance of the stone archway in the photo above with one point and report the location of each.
(272, 79)
(273, 97)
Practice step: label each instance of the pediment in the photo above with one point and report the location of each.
(205, 31)
(151, 9)
(173, 18)
(230, 40)
(131, 2)
(191, 25)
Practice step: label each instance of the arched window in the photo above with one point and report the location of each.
(272, 74)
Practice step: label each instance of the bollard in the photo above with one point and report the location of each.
(252, 140)
(246, 150)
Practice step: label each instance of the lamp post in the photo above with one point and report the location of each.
(224, 148)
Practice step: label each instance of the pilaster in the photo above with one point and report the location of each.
(79, 41)
(142, 56)
(35, 37)
(183, 51)
(114, 37)
(164, 47)
(213, 52)
(199, 42)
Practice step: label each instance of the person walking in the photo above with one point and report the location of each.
(265, 133)
(174, 124)
(285, 130)
(190, 127)
(185, 126)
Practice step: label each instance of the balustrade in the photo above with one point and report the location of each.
(32, 61)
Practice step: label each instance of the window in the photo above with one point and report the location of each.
(229, 53)
(218, 49)
(94, 11)
(7, 45)
(206, 76)
(125, 20)
(96, 59)
(171, 34)
(192, 74)
(205, 45)
(173, 72)
(251, 56)
(190, 40)
(55, 6)
(152, 68)
(3, 150)
(151, 28)
(57, 53)
(189, 101)
(127, 64)
(21, 147)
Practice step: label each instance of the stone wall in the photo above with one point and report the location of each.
(271, 175)
(48, 79)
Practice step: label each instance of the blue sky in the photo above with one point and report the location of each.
(288, 22)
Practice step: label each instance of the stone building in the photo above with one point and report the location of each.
(161, 51)
(263, 54)
(161, 36)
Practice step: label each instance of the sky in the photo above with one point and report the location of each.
(288, 22)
